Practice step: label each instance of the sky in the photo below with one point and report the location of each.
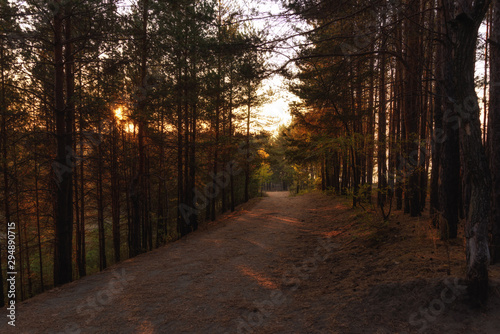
(275, 112)
(263, 15)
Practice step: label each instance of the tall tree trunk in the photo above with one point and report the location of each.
(370, 137)
(218, 102)
(63, 166)
(216, 147)
(494, 133)
(438, 119)
(393, 132)
(231, 175)
(39, 232)
(398, 120)
(449, 172)
(162, 221)
(20, 228)
(181, 221)
(247, 158)
(138, 194)
(78, 231)
(413, 107)
(142, 128)
(81, 253)
(5, 160)
(115, 191)
(187, 182)
(382, 126)
(476, 175)
(192, 159)
(100, 207)
(487, 57)
(425, 119)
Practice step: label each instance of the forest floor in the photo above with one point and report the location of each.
(279, 264)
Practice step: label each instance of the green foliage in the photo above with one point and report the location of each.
(263, 174)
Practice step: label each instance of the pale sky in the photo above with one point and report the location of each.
(264, 16)
(274, 113)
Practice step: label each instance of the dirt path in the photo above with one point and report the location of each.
(211, 282)
(305, 264)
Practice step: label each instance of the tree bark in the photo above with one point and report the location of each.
(247, 158)
(494, 133)
(436, 142)
(382, 126)
(63, 166)
(413, 107)
(80, 240)
(5, 165)
(115, 192)
(449, 172)
(39, 232)
(100, 207)
(476, 175)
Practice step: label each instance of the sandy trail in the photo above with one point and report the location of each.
(224, 279)
(307, 264)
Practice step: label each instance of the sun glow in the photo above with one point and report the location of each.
(119, 113)
(130, 128)
(127, 124)
(275, 115)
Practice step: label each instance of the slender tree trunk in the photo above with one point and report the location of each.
(425, 119)
(20, 229)
(345, 172)
(100, 208)
(336, 172)
(218, 103)
(231, 176)
(449, 172)
(216, 148)
(115, 191)
(5, 160)
(192, 159)
(188, 94)
(27, 259)
(323, 173)
(438, 119)
(382, 145)
(181, 223)
(393, 133)
(78, 231)
(81, 253)
(487, 56)
(63, 166)
(142, 128)
(22, 237)
(398, 120)
(39, 232)
(413, 108)
(247, 160)
(162, 221)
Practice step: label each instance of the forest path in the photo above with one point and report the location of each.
(306, 264)
(213, 281)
